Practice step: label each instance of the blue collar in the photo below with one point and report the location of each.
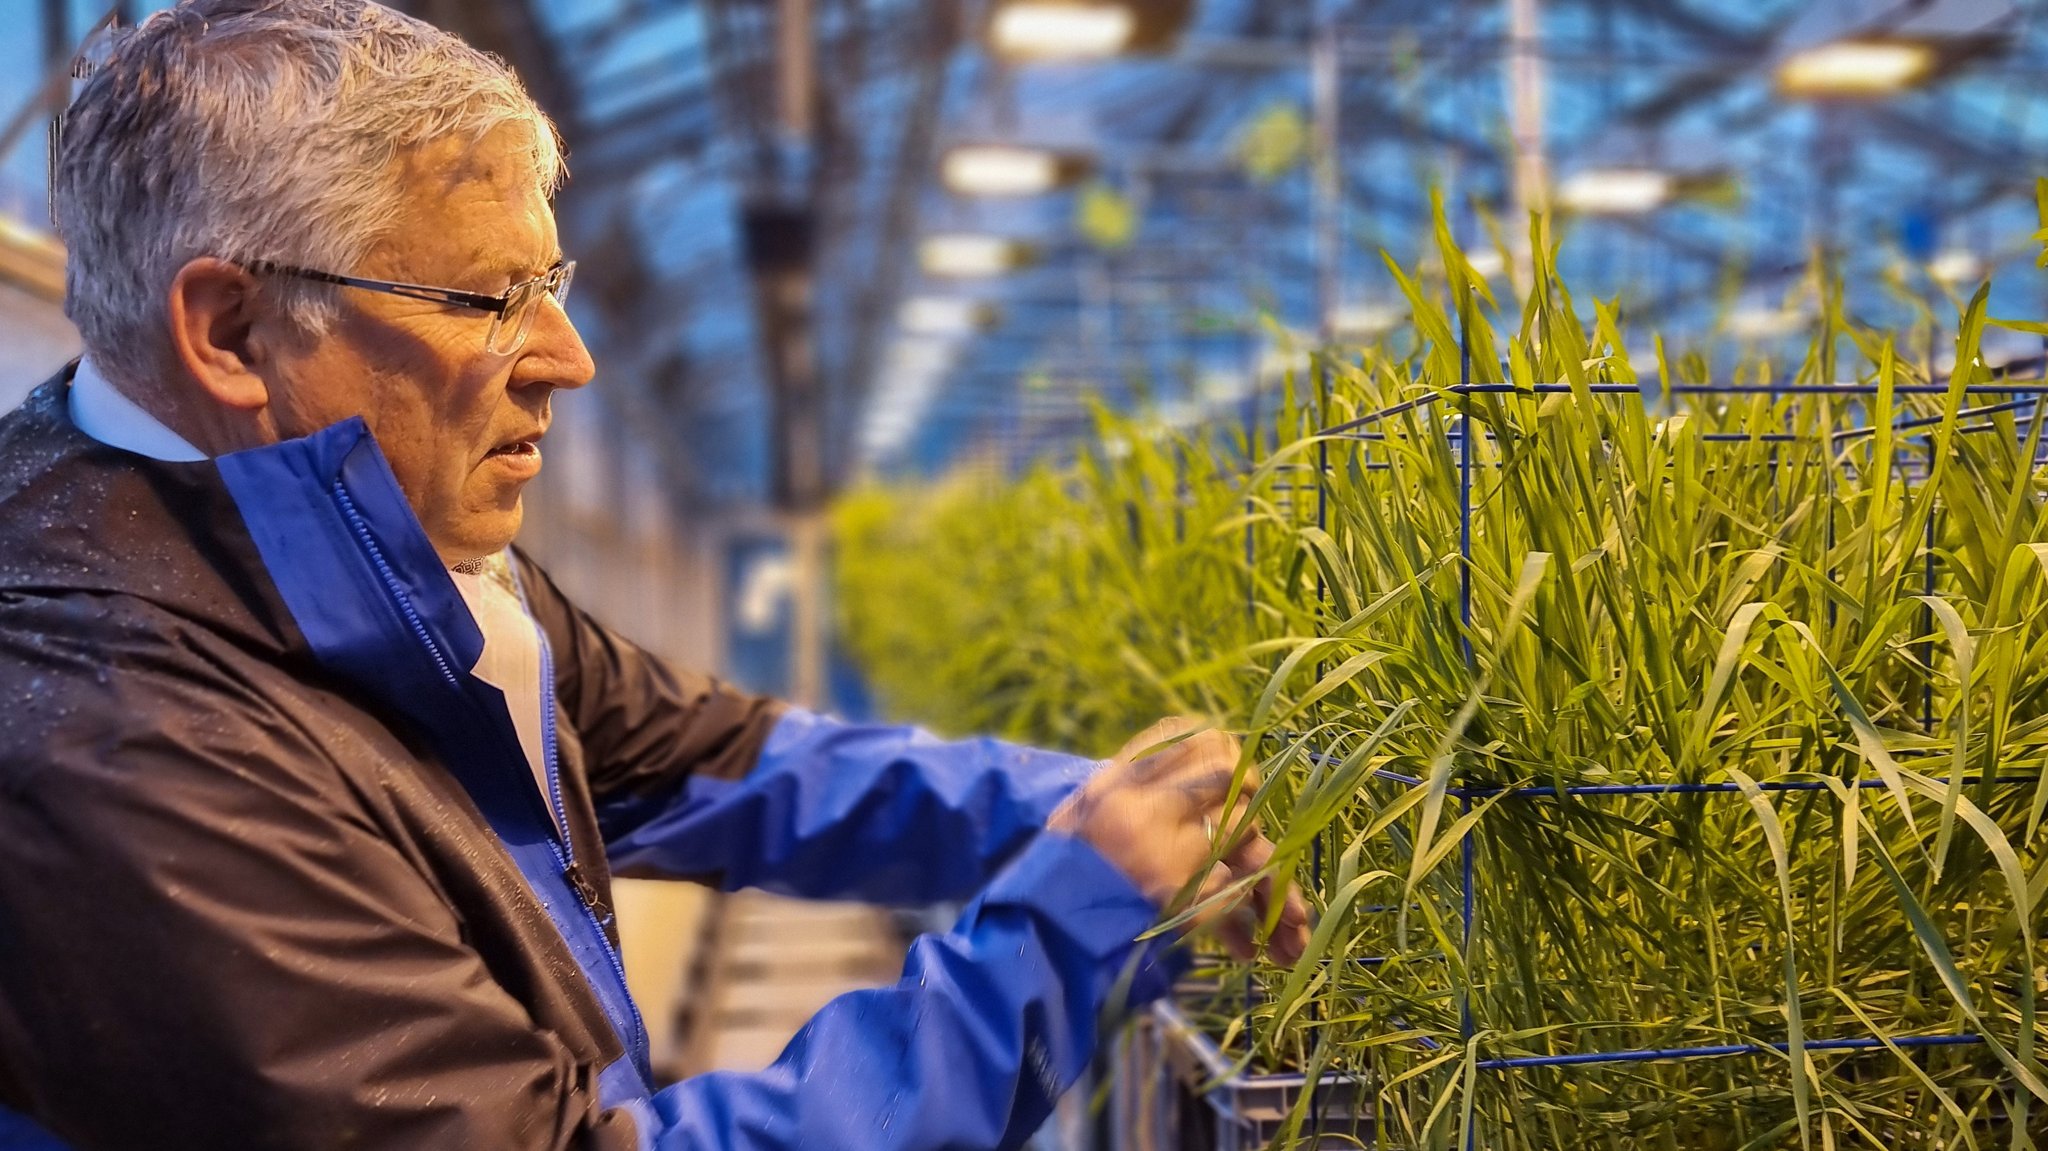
(367, 589)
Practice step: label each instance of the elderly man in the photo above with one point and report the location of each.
(310, 787)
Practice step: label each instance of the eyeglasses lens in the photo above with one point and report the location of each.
(510, 327)
(508, 331)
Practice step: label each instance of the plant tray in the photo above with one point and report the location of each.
(1172, 1089)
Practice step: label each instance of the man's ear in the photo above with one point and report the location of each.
(213, 311)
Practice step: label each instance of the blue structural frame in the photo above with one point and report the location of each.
(2029, 394)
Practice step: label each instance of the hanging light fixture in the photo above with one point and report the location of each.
(1862, 49)
(1617, 191)
(943, 316)
(1955, 266)
(1075, 30)
(1367, 321)
(1767, 323)
(1060, 31)
(962, 254)
(908, 382)
(1009, 169)
(1487, 262)
(998, 171)
(1855, 68)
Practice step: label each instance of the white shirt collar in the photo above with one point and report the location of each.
(105, 413)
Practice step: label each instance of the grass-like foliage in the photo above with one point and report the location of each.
(1821, 589)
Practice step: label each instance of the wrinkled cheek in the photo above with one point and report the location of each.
(490, 491)
(416, 486)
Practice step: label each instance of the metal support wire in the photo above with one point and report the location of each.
(1855, 389)
(1653, 1054)
(1560, 791)
(1319, 855)
(1465, 494)
(1466, 848)
(1468, 897)
(1861, 784)
(1251, 507)
(1322, 369)
(1927, 610)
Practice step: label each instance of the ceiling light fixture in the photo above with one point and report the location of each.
(999, 170)
(1956, 266)
(1617, 191)
(1054, 30)
(941, 316)
(1487, 262)
(1867, 49)
(1367, 321)
(965, 255)
(1856, 68)
(905, 389)
(1765, 323)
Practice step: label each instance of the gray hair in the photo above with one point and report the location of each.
(257, 130)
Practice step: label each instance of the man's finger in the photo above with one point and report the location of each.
(1252, 851)
(1203, 777)
(1291, 929)
(1226, 919)
(1160, 737)
(1238, 830)
(1291, 934)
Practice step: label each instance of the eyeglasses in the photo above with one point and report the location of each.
(512, 313)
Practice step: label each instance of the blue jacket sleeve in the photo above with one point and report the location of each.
(969, 1049)
(833, 810)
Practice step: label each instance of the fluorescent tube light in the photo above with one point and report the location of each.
(1856, 68)
(1049, 30)
(941, 316)
(1000, 171)
(1956, 266)
(1223, 386)
(1616, 191)
(1766, 323)
(963, 255)
(904, 390)
(1367, 321)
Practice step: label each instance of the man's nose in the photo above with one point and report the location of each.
(555, 352)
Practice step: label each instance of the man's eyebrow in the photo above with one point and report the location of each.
(486, 257)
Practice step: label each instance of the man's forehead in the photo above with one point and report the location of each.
(503, 160)
(475, 203)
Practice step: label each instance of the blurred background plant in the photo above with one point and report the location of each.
(1816, 586)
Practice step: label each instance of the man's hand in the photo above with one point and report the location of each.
(1155, 810)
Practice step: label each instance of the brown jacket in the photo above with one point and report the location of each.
(163, 723)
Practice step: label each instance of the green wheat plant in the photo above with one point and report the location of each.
(1814, 592)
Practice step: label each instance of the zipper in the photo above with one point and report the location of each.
(595, 909)
(586, 891)
(361, 527)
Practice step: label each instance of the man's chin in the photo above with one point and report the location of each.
(480, 535)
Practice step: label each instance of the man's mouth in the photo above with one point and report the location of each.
(515, 448)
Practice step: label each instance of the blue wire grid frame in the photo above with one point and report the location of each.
(2004, 396)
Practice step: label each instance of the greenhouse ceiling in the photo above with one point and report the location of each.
(989, 237)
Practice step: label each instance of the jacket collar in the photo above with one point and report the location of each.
(351, 558)
(367, 589)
